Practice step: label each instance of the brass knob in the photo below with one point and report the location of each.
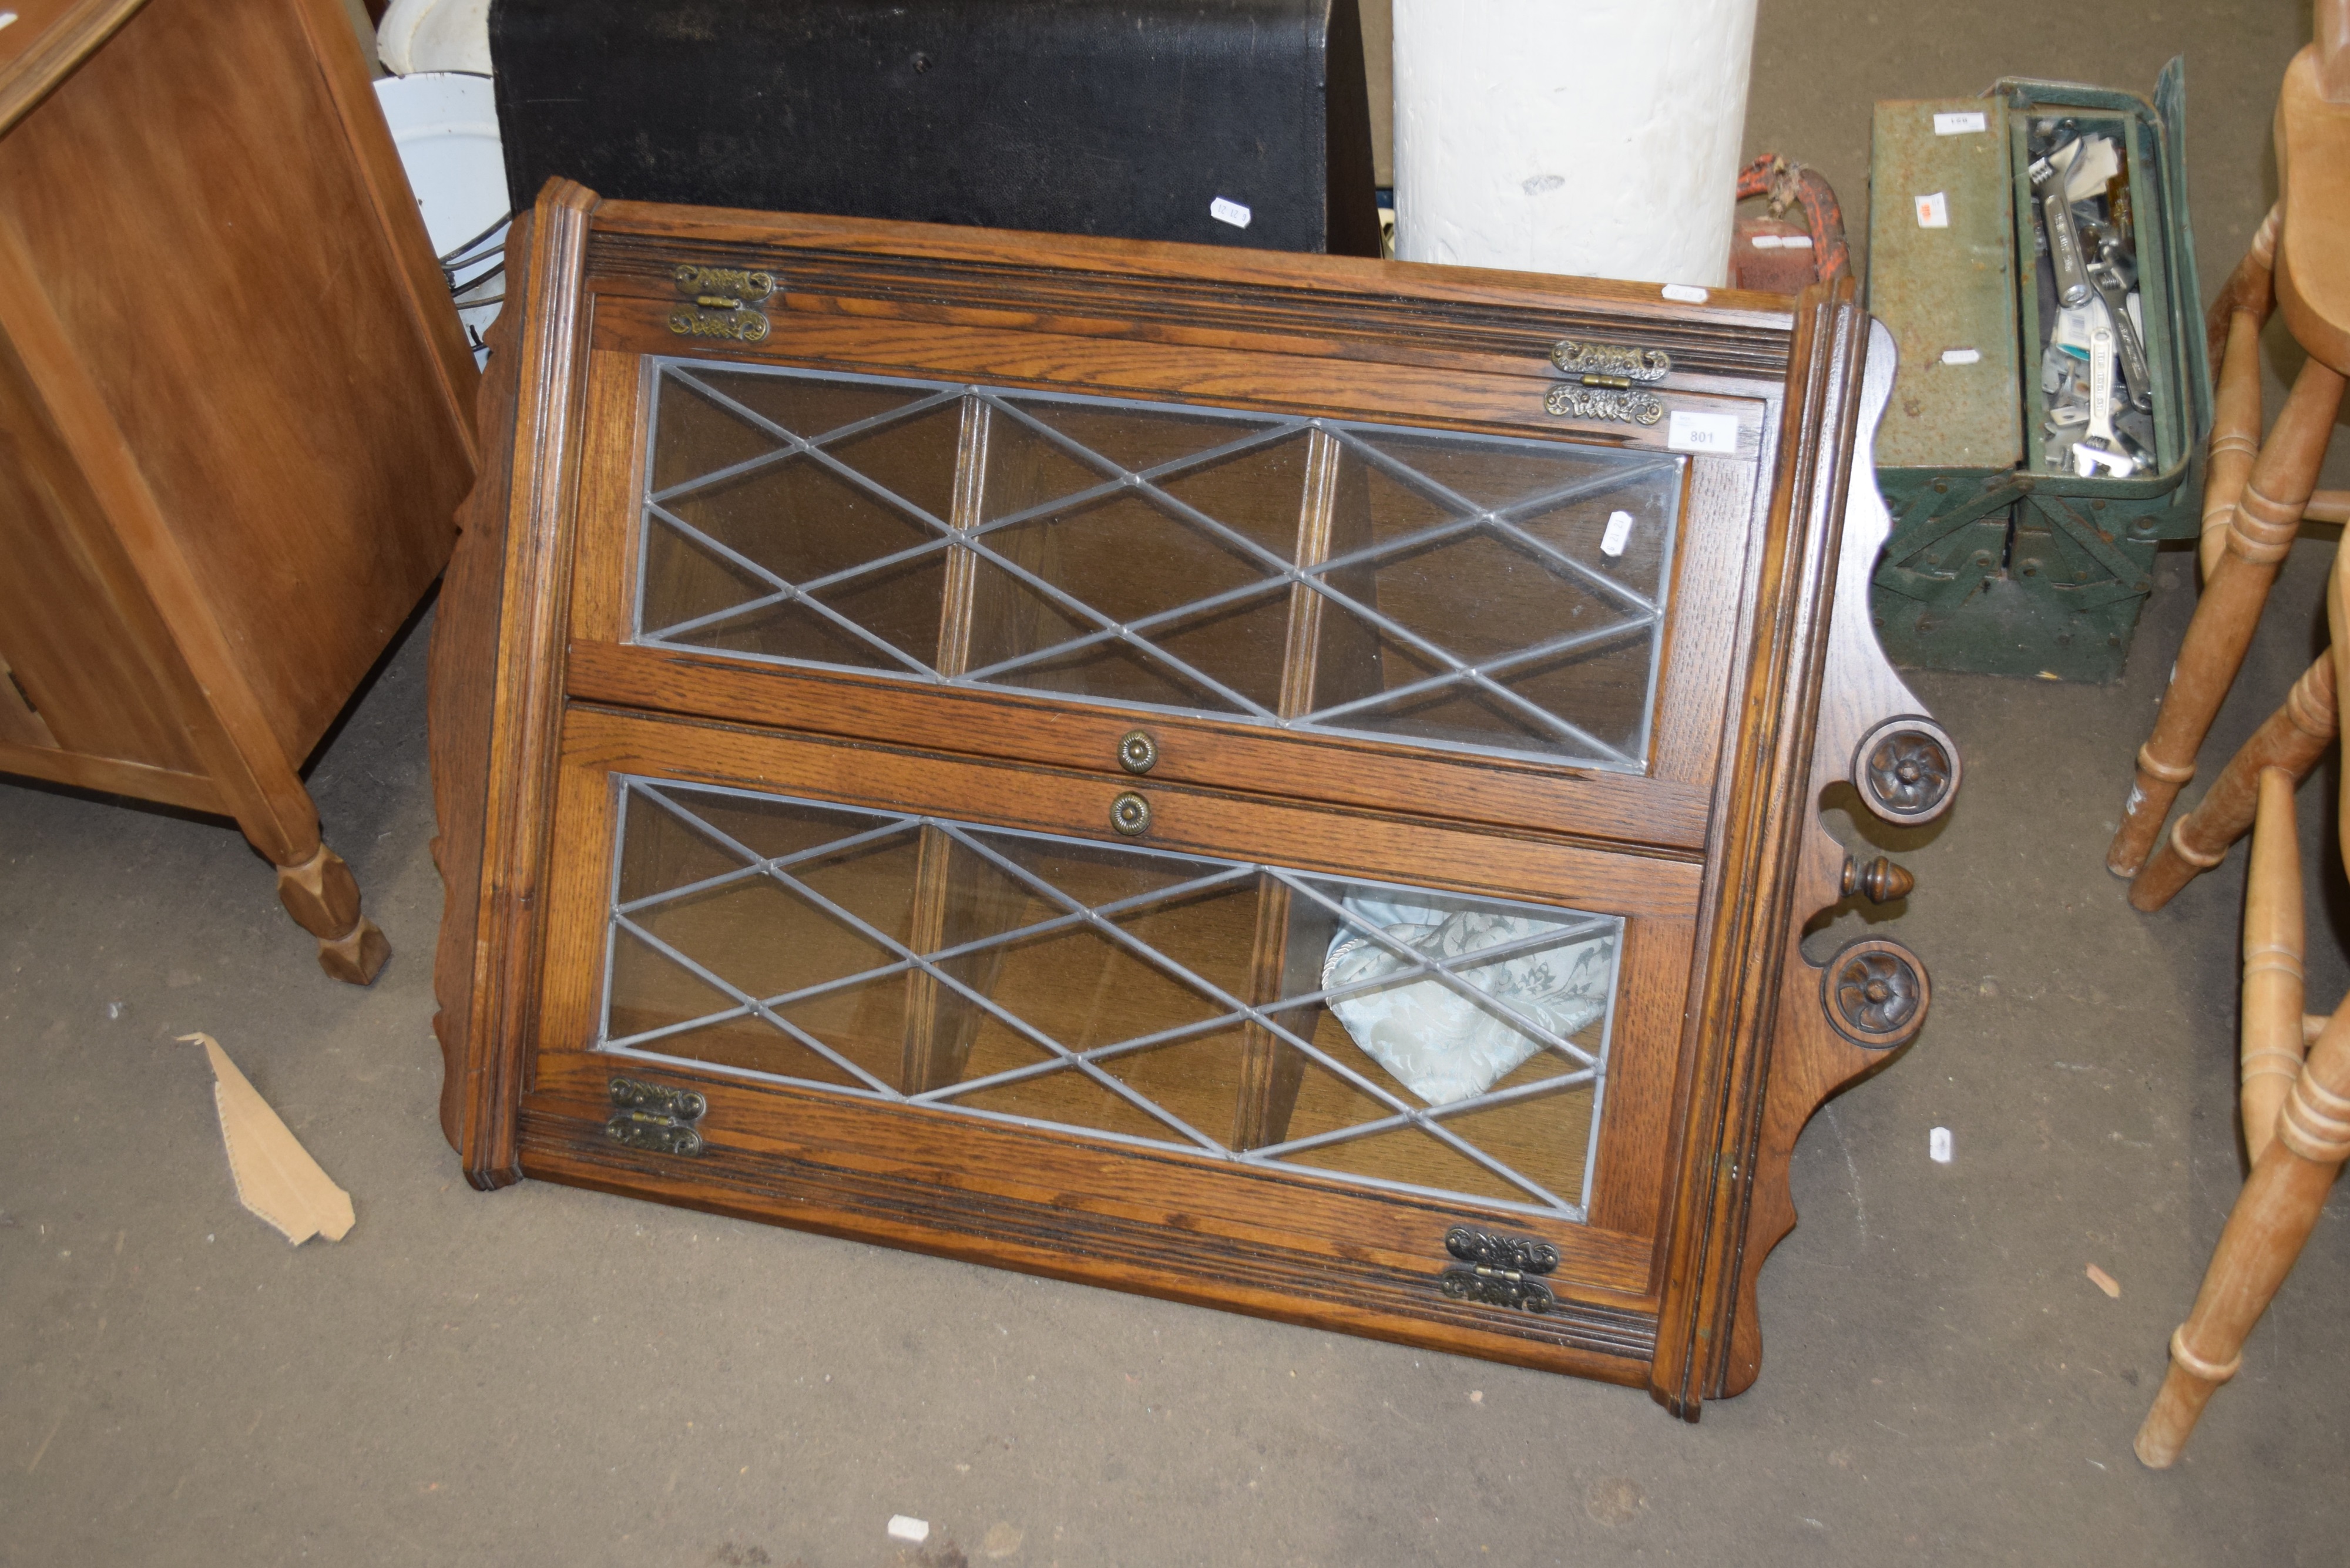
(1137, 752)
(1129, 813)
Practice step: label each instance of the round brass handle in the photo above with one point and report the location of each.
(1129, 813)
(1137, 752)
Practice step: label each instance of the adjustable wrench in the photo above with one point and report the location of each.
(2063, 240)
(2110, 288)
(2099, 449)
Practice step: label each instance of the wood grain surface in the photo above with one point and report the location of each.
(236, 404)
(1712, 850)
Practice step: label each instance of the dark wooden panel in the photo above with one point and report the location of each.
(1338, 306)
(1423, 852)
(1595, 807)
(1090, 1210)
(1115, 362)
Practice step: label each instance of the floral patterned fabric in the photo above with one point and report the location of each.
(1438, 1043)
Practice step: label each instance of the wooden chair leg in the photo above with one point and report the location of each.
(2265, 1232)
(2292, 739)
(2236, 415)
(2259, 535)
(2250, 287)
(324, 899)
(2272, 1047)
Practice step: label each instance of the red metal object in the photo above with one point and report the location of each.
(1774, 265)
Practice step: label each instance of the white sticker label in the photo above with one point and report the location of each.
(1769, 242)
(1961, 356)
(1934, 210)
(1938, 1146)
(1226, 210)
(1619, 535)
(2074, 327)
(6, 18)
(1689, 432)
(1686, 293)
(1961, 124)
(1797, 242)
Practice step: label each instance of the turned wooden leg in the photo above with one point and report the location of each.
(2272, 1217)
(2260, 534)
(2271, 1044)
(2250, 287)
(2235, 435)
(324, 899)
(2292, 739)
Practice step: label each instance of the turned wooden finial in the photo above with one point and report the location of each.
(1880, 881)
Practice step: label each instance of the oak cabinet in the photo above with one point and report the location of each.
(1287, 783)
(236, 412)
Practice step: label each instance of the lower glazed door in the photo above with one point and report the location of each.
(1382, 1100)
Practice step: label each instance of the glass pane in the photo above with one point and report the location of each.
(800, 518)
(1492, 595)
(1500, 595)
(1137, 556)
(1431, 1040)
(1137, 439)
(809, 407)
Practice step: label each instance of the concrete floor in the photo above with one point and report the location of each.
(551, 1375)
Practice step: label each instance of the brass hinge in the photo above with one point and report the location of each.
(722, 303)
(1602, 389)
(648, 1116)
(1500, 1270)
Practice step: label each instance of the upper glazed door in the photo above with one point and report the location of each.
(1258, 570)
(1492, 596)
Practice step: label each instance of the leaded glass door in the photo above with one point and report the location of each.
(1433, 1042)
(1478, 594)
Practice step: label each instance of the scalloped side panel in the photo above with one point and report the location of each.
(1810, 1061)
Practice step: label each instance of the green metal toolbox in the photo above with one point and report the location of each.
(1999, 561)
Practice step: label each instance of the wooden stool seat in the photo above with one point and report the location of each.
(2312, 153)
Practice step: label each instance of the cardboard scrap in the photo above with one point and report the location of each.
(276, 1177)
(2104, 1281)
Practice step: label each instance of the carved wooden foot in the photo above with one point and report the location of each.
(324, 899)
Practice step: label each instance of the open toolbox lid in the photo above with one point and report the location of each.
(1947, 274)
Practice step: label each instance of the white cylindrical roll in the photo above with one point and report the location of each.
(1594, 137)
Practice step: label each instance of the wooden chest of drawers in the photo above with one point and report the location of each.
(1287, 783)
(236, 412)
